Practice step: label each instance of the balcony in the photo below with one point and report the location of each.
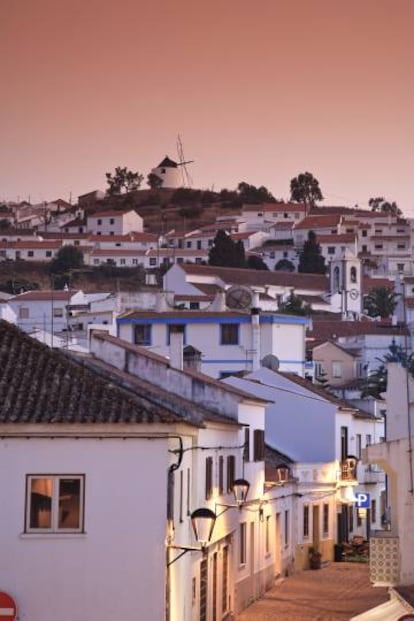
(384, 560)
(349, 469)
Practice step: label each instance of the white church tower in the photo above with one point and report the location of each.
(345, 279)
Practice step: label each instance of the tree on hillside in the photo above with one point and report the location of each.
(123, 181)
(284, 265)
(251, 194)
(381, 302)
(375, 384)
(305, 189)
(254, 262)
(67, 258)
(154, 181)
(380, 205)
(225, 252)
(294, 305)
(311, 260)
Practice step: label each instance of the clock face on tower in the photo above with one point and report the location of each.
(353, 294)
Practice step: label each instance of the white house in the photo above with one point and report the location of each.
(392, 560)
(229, 341)
(114, 222)
(179, 442)
(322, 435)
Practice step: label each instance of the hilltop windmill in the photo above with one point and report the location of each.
(174, 175)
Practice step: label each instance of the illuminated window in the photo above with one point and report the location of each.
(54, 503)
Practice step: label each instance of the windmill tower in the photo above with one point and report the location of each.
(173, 174)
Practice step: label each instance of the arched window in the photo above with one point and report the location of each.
(336, 278)
(353, 274)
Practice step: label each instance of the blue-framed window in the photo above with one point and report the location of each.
(229, 334)
(142, 334)
(176, 327)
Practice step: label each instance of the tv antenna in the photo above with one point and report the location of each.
(185, 175)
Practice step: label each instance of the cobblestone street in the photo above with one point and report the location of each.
(336, 592)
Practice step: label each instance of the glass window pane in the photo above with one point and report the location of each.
(69, 503)
(41, 503)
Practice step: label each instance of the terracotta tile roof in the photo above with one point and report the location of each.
(129, 237)
(62, 236)
(261, 278)
(319, 222)
(43, 296)
(40, 385)
(116, 252)
(370, 283)
(283, 225)
(330, 329)
(32, 245)
(110, 213)
(340, 238)
(275, 207)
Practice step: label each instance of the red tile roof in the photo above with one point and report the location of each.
(340, 238)
(319, 222)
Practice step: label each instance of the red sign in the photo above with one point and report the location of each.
(8, 608)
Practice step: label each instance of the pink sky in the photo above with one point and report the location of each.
(259, 91)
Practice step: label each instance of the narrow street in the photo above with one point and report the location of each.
(336, 592)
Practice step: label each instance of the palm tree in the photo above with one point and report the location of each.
(381, 302)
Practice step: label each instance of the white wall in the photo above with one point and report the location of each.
(99, 574)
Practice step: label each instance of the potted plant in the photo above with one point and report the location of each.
(315, 558)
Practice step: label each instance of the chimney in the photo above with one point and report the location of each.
(255, 316)
(218, 305)
(176, 349)
(162, 304)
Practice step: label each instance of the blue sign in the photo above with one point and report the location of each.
(363, 500)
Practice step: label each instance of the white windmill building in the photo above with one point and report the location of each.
(174, 174)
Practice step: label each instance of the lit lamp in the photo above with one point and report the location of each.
(203, 521)
(240, 490)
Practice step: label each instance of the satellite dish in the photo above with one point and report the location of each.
(271, 362)
(238, 297)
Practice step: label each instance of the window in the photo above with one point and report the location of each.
(199, 260)
(325, 519)
(400, 267)
(229, 334)
(188, 244)
(231, 472)
(175, 329)
(111, 220)
(134, 261)
(258, 445)
(153, 261)
(373, 511)
(23, 312)
(358, 445)
(364, 248)
(111, 233)
(99, 222)
(142, 334)
(48, 253)
(306, 520)
(368, 440)
(180, 260)
(267, 535)
(378, 246)
(122, 261)
(331, 249)
(194, 305)
(199, 244)
(336, 369)
(242, 544)
(287, 533)
(221, 475)
(225, 579)
(30, 253)
(96, 261)
(285, 254)
(54, 503)
(57, 312)
(353, 274)
(351, 518)
(401, 246)
(209, 477)
(364, 233)
(246, 447)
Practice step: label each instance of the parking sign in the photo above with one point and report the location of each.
(362, 500)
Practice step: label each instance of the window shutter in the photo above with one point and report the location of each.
(258, 445)
(246, 448)
(231, 469)
(209, 477)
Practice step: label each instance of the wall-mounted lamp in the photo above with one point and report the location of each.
(202, 521)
